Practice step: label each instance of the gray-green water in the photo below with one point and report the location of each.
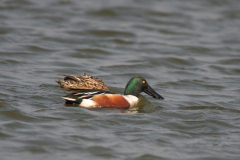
(189, 52)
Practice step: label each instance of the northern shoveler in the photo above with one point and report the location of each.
(82, 82)
(90, 98)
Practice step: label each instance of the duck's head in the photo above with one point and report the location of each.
(137, 85)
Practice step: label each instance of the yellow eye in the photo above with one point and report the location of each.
(143, 81)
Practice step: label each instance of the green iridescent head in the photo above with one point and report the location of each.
(137, 85)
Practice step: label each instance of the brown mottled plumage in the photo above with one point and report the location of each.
(82, 82)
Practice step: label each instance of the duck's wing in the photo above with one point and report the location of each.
(77, 95)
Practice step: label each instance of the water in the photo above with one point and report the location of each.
(187, 50)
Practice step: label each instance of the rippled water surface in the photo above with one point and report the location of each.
(189, 52)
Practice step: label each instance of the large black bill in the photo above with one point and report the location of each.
(153, 93)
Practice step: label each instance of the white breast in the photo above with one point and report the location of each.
(131, 99)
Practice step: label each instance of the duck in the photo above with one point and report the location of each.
(82, 82)
(94, 98)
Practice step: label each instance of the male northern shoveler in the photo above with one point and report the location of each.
(82, 82)
(105, 99)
